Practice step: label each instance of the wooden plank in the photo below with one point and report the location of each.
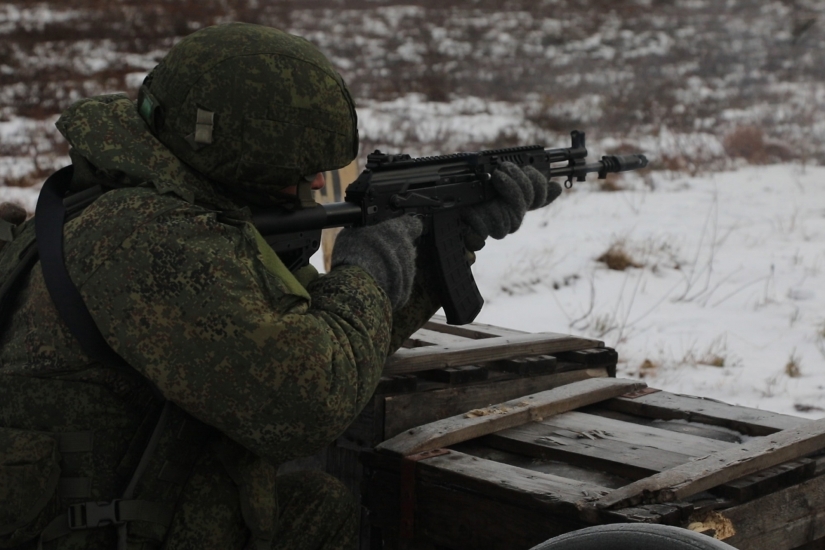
(635, 434)
(721, 467)
(555, 467)
(678, 425)
(403, 412)
(669, 406)
(634, 451)
(787, 519)
(507, 415)
(608, 455)
(456, 375)
(528, 366)
(425, 337)
(594, 357)
(767, 481)
(465, 516)
(488, 349)
(818, 544)
(475, 331)
(501, 480)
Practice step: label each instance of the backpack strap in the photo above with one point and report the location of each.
(49, 216)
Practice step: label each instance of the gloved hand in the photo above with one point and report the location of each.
(386, 251)
(519, 190)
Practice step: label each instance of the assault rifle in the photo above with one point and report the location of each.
(435, 188)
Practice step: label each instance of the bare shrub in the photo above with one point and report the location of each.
(751, 144)
(618, 258)
(747, 142)
(792, 366)
(647, 368)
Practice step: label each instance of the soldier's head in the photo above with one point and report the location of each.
(254, 109)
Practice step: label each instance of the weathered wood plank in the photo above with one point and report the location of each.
(635, 434)
(766, 481)
(408, 411)
(633, 451)
(721, 467)
(528, 366)
(488, 349)
(787, 519)
(576, 471)
(475, 331)
(508, 482)
(456, 375)
(464, 517)
(608, 455)
(426, 337)
(678, 425)
(509, 414)
(668, 406)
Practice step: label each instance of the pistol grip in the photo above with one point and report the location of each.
(458, 292)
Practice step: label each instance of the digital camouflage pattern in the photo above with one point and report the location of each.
(281, 111)
(183, 287)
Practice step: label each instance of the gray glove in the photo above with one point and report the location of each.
(519, 190)
(386, 251)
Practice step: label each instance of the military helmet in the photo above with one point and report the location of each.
(252, 108)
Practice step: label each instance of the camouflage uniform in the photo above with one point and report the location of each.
(265, 365)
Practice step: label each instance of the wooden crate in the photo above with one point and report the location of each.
(445, 370)
(598, 451)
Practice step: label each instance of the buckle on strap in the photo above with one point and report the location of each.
(88, 515)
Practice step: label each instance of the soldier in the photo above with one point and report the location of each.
(226, 363)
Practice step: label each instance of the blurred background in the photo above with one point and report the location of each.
(696, 84)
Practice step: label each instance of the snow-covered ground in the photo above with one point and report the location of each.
(729, 298)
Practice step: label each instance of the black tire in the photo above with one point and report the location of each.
(633, 536)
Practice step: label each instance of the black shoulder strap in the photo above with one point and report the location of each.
(49, 216)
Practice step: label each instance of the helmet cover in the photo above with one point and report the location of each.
(252, 108)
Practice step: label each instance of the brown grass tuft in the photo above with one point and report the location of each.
(647, 368)
(750, 143)
(618, 258)
(792, 367)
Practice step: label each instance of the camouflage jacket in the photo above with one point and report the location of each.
(185, 289)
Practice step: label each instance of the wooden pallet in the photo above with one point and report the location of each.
(594, 451)
(444, 370)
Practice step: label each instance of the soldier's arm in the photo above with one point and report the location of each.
(195, 307)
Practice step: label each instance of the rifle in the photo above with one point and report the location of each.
(435, 188)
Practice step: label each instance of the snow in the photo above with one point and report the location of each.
(732, 276)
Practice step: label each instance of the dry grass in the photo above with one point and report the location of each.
(792, 369)
(648, 368)
(750, 143)
(618, 258)
(714, 355)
